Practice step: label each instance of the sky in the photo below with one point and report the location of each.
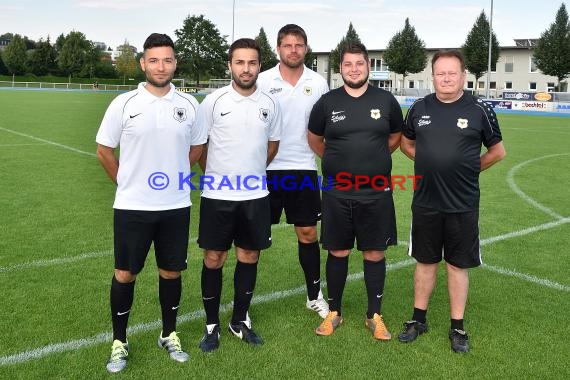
(440, 24)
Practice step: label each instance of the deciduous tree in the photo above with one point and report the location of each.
(334, 58)
(552, 53)
(202, 50)
(406, 52)
(268, 57)
(476, 48)
(15, 55)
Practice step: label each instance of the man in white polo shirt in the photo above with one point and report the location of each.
(244, 128)
(297, 88)
(155, 127)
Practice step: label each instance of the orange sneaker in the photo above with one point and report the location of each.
(378, 328)
(331, 322)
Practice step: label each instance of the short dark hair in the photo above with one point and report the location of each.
(353, 47)
(244, 43)
(293, 29)
(158, 40)
(449, 53)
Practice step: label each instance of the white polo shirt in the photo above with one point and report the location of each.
(154, 135)
(239, 128)
(296, 103)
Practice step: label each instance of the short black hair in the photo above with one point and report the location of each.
(449, 53)
(158, 40)
(293, 29)
(353, 47)
(244, 43)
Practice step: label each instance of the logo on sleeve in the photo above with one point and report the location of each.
(375, 114)
(179, 114)
(264, 114)
(462, 123)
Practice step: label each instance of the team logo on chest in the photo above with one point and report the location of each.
(375, 114)
(307, 91)
(264, 114)
(179, 114)
(462, 123)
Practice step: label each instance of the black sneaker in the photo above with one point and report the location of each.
(412, 329)
(211, 339)
(459, 340)
(244, 331)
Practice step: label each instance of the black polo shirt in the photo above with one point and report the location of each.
(448, 140)
(356, 132)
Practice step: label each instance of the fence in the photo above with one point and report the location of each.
(67, 86)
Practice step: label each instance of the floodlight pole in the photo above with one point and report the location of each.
(489, 57)
(233, 18)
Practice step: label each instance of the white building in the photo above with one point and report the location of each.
(515, 71)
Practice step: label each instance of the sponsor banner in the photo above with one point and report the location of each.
(192, 90)
(517, 95)
(500, 104)
(406, 100)
(532, 106)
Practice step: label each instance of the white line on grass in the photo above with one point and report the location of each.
(528, 277)
(82, 256)
(73, 345)
(525, 197)
(52, 262)
(17, 145)
(49, 142)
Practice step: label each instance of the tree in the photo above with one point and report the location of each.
(406, 52)
(72, 57)
(202, 51)
(15, 56)
(268, 57)
(334, 57)
(476, 48)
(310, 57)
(552, 53)
(3, 68)
(42, 59)
(126, 63)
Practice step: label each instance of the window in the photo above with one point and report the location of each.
(550, 87)
(532, 86)
(378, 65)
(508, 85)
(411, 84)
(533, 67)
(470, 84)
(314, 64)
(493, 85)
(480, 85)
(509, 64)
(326, 66)
(493, 67)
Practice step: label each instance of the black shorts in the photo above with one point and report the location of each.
(371, 221)
(245, 223)
(296, 191)
(135, 231)
(453, 237)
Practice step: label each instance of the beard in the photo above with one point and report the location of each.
(291, 63)
(245, 85)
(162, 83)
(355, 85)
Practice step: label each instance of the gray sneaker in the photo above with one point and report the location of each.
(118, 360)
(172, 344)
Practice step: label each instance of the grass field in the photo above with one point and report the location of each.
(56, 266)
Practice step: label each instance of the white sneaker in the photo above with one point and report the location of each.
(118, 360)
(172, 344)
(319, 305)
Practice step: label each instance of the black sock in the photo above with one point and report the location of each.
(245, 276)
(211, 293)
(310, 260)
(419, 315)
(457, 324)
(121, 302)
(169, 292)
(374, 278)
(337, 270)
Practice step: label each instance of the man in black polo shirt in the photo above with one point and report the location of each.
(443, 134)
(354, 129)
